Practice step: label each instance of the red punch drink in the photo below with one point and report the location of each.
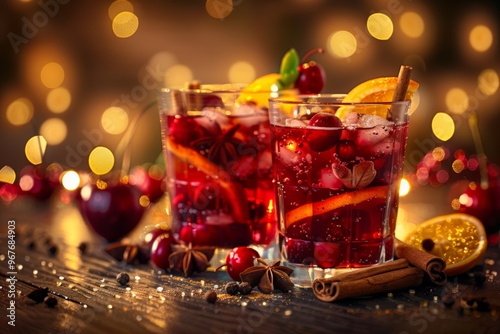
(219, 167)
(337, 171)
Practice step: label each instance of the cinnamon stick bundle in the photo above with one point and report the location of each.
(394, 275)
(434, 266)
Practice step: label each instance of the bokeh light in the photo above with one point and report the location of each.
(342, 44)
(7, 175)
(35, 149)
(415, 102)
(125, 24)
(52, 75)
(443, 126)
(19, 111)
(159, 63)
(380, 26)
(114, 120)
(58, 100)
(480, 38)
(119, 6)
(101, 160)
(219, 9)
(241, 72)
(54, 130)
(178, 75)
(404, 187)
(412, 24)
(457, 100)
(488, 82)
(70, 180)
(438, 153)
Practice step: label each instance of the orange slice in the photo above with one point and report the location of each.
(260, 90)
(349, 198)
(459, 239)
(375, 90)
(234, 191)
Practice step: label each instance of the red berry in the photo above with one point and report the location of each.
(346, 150)
(312, 77)
(160, 251)
(324, 139)
(206, 196)
(154, 233)
(184, 130)
(300, 251)
(239, 259)
(327, 254)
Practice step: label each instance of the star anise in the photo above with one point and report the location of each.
(219, 147)
(189, 259)
(130, 253)
(268, 277)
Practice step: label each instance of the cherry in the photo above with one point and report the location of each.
(113, 210)
(327, 254)
(37, 182)
(160, 250)
(300, 251)
(8, 192)
(346, 150)
(322, 139)
(480, 203)
(238, 260)
(184, 130)
(312, 77)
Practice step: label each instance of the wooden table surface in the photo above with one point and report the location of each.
(91, 301)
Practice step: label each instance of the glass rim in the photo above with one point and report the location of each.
(328, 100)
(227, 88)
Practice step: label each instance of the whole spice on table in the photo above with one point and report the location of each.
(50, 301)
(123, 278)
(189, 259)
(268, 277)
(38, 295)
(211, 296)
(232, 288)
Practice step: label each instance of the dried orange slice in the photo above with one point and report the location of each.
(375, 90)
(460, 239)
(335, 202)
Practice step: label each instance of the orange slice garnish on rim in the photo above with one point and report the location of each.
(234, 192)
(375, 90)
(458, 238)
(336, 202)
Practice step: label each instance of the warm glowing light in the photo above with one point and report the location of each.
(443, 126)
(159, 63)
(7, 175)
(54, 130)
(442, 176)
(52, 75)
(119, 6)
(26, 182)
(457, 100)
(178, 75)
(219, 9)
(466, 200)
(404, 187)
(488, 82)
(144, 201)
(412, 24)
(380, 26)
(114, 120)
(458, 166)
(415, 102)
(270, 206)
(101, 160)
(58, 100)
(35, 149)
(125, 24)
(241, 72)
(438, 153)
(19, 111)
(481, 38)
(342, 44)
(70, 180)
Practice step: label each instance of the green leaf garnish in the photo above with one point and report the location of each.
(289, 69)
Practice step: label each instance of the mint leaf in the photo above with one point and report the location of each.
(289, 69)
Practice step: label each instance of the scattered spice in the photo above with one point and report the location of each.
(232, 288)
(50, 301)
(428, 244)
(245, 288)
(211, 296)
(123, 278)
(189, 259)
(53, 250)
(268, 277)
(130, 253)
(39, 295)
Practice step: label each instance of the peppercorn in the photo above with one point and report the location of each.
(50, 301)
(428, 244)
(53, 250)
(211, 296)
(245, 288)
(123, 278)
(232, 288)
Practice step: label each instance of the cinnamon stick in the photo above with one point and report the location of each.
(404, 77)
(394, 275)
(434, 266)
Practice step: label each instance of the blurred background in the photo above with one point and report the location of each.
(79, 72)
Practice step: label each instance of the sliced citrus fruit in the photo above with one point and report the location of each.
(335, 202)
(234, 191)
(374, 90)
(458, 238)
(260, 89)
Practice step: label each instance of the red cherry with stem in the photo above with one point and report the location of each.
(160, 250)
(238, 260)
(312, 77)
(324, 139)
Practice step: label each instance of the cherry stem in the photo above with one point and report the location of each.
(309, 53)
(482, 159)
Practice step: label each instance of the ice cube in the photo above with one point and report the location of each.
(351, 119)
(295, 123)
(370, 121)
